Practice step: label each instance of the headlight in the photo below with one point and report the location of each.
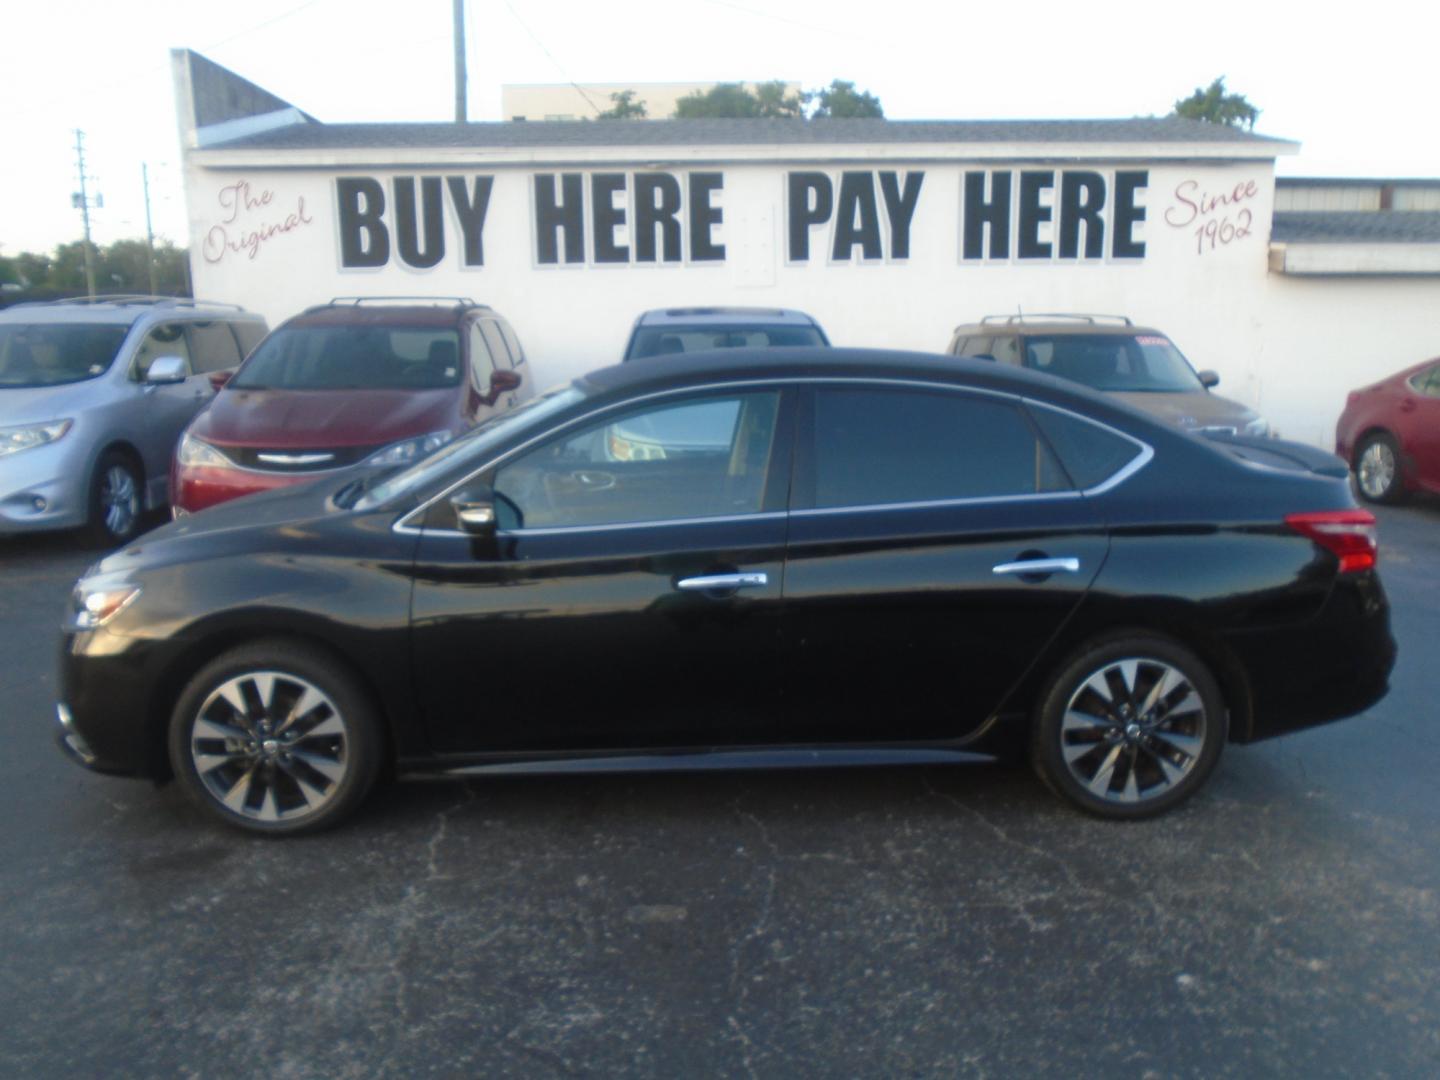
(1259, 427)
(24, 437)
(197, 452)
(403, 453)
(96, 601)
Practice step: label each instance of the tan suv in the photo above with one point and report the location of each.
(1111, 354)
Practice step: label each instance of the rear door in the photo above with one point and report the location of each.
(935, 548)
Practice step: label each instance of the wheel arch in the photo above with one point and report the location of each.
(176, 675)
(1177, 626)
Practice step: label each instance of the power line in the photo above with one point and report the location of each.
(558, 67)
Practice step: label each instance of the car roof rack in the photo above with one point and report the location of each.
(142, 298)
(356, 301)
(1054, 316)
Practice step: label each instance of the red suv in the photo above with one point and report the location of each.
(357, 381)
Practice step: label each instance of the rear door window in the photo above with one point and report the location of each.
(212, 347)
(883, 447)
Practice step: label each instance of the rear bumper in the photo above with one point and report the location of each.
(1335, 666)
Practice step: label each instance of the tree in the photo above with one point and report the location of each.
(840, 101)
(770, 101)
(1217, 107)
(624, 107)
(723, 100)
(119, 268)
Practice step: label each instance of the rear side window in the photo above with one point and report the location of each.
(212, 347)
(1090, 453)
(876, 447)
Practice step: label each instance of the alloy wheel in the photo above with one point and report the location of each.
(1133, 730)
(270, 746)
(119, 500)
(1376, 470)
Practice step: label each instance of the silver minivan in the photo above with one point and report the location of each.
(94, 395)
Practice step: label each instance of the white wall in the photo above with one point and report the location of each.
(1290, 347)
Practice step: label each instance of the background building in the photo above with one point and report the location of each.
(889, 232)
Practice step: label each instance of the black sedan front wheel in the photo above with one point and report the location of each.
(1130, 728)
(276, 738)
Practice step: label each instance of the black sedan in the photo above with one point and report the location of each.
(743, 559)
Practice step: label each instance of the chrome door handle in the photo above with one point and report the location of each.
(707, 582)
(1069, 565)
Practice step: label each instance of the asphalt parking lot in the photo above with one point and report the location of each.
(898, 922)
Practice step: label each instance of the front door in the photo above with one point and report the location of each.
(631, 598)
(935, 547)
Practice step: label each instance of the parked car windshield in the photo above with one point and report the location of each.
(472, 446)
(664, 340)
(41, 354)
(353, 358)
(1118, 362)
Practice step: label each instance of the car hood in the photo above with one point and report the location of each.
(1191, 409)
(316, 419)
(42, 404)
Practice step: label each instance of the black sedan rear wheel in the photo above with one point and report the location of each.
(1129, 728)
(276, 738)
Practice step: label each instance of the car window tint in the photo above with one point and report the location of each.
(695, 459)
(212, 347)
(164, 340)
(517, 354)
(482, 363)
(493, 338)
(1090, 453)
(1006, 349)
(249, 334)
(1427, 382)
(665, 340)
(976, 346)
(895, 446)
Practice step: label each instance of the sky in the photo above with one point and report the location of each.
(1353, 90)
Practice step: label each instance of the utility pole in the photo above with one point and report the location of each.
(149, 230)
(459, 9)
(81, 201)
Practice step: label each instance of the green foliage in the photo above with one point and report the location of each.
(119, 268)
(624, 107)
(770, 101)
(723, 100)
(1217, 107)
(840, 101)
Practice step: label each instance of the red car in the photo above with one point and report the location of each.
(349, 383)
(1390, 434)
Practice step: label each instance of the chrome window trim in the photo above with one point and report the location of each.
(1115, 479)
(409, 524)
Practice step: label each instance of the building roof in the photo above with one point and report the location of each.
(561, 133)
(1355, 227)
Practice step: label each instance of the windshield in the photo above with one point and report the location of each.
(664, 340)
(353, 358)
(1115, 362)
(49, 354)
(471, 447)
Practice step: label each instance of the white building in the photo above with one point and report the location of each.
(889, 232)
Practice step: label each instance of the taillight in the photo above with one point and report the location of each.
(1349, 534)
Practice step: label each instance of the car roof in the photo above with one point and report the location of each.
(676, 370)
(1069, 326)
(723, 316)
(121, 310)
(357, 311)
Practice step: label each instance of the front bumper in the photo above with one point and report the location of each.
(106, 685)
(43, 488)
(198, 487)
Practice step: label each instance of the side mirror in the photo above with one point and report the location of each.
(1208, 379)
(166, 369)
(502, 381)
(218, 379)
(475, 512)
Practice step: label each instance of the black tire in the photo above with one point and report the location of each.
(286, 770)
(1132, 761)
(1377, 470)
(117, 500)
